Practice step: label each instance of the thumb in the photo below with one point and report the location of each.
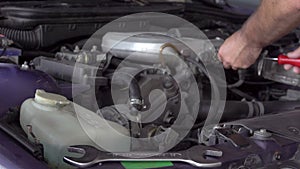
(294, 54)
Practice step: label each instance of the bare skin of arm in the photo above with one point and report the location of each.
(272, 20)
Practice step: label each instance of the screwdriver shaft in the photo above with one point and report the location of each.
(272, 59)
(282, 59)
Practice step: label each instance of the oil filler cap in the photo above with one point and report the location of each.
(50, 99)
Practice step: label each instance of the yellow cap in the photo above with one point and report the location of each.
(50, 99)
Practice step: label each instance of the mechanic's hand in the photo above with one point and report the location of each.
(237, 52)
(294, 54)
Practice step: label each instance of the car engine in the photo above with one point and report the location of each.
(90, 86)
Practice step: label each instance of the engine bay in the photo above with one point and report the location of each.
(92, 86)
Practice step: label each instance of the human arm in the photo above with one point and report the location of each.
(272, 20)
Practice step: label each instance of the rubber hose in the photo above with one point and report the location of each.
(26, 38)
(135, 93)
(235, 110)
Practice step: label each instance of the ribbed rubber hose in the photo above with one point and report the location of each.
(26, 38)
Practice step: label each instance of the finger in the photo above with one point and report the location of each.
(287, 66)
(234, 68)
(294, 54)
(296, 70)
(226, 65)
(220, 57)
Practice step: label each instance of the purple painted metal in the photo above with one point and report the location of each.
(16, 85)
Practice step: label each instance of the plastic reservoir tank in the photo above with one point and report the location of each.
(17, 85)
(52, 119)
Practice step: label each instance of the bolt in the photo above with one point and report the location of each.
(63, 48)
(76, 50)
(218, 38)
(94, 48)
(294, 130)
(277, 156)
(262, 133)
(25, 66)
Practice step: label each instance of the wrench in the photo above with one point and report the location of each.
(198, 156)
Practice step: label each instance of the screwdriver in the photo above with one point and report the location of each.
(283, 59)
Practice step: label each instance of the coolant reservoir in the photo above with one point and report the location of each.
(51, 120)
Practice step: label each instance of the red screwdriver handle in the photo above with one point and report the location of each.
(282, 59)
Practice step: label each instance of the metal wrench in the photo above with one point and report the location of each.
(198, 156)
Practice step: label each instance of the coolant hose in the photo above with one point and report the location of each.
(235, 110)
(124, 77)
(135, 95)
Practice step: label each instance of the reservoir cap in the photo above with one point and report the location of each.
(50, 99)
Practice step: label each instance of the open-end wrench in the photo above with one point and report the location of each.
(199, 156)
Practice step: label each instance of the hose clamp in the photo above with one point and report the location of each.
(139, 102)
